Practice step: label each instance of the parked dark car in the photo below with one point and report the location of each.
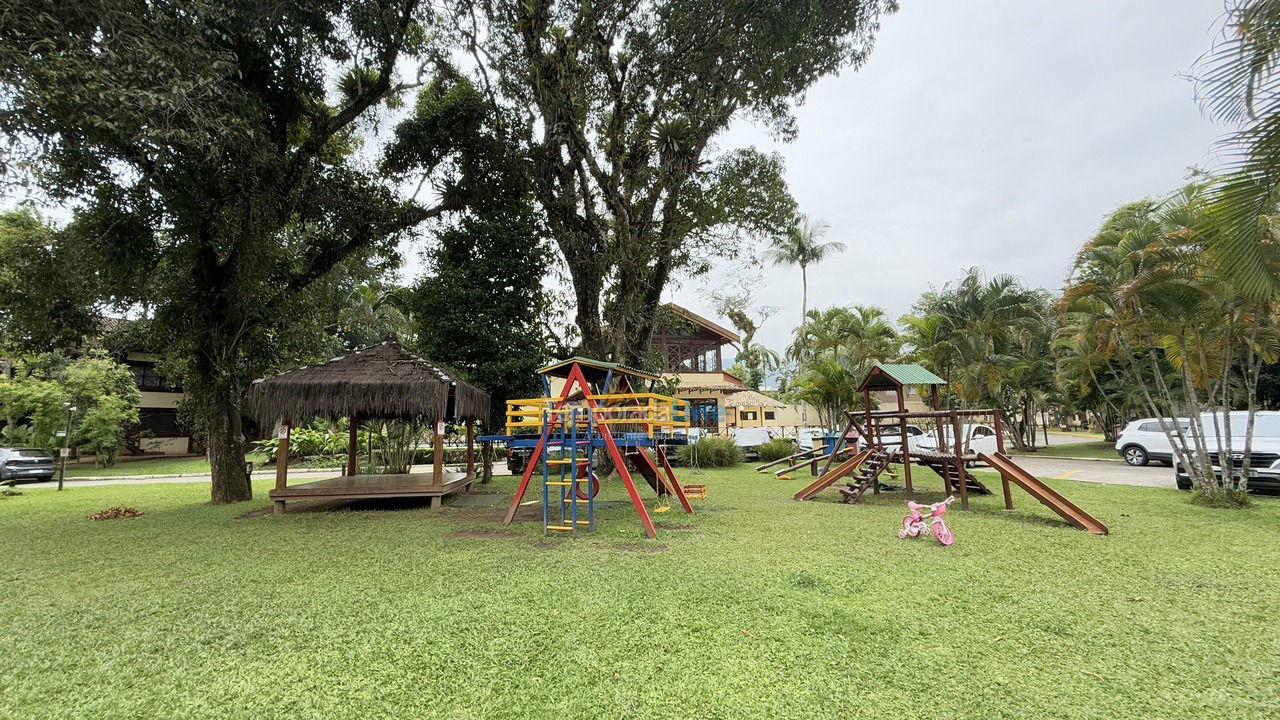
(25, 465)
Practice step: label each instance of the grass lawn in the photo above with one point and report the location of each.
(757, 607)
(155, 466)
(1095, 449)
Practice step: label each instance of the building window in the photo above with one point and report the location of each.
(160, 422)
(147, 378)
(770, 415)
(746, 414)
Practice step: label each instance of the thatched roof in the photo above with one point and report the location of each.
(751, 399)
(383, 381)
(712, 387)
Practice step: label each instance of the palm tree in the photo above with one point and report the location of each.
(801, 245)
(371, 312)
(1237, 85)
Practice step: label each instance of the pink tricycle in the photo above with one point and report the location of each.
(915, 525)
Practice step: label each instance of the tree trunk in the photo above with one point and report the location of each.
(804, 294)
(227, 448)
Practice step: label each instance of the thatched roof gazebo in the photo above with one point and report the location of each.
(378, 382)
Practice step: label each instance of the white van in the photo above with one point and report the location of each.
(1143, 440)
(749, 439)
(1264, 460)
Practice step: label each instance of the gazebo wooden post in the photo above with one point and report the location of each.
(471, 451)
(352, 444)
(437, 460)
(282, 464)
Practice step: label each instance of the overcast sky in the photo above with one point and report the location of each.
(987, 133)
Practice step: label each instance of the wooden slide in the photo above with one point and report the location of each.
(1045, 494)
(832, 475)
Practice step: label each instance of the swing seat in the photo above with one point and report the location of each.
(696, 491)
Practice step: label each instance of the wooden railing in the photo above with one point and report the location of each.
(647, 412)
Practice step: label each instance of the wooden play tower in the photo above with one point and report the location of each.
(598, 406)
(955, 441)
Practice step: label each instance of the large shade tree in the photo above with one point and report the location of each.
(213, 153)
(618, 105)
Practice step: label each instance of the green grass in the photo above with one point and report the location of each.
(1095, 449)
(756, 607)
(156, 466)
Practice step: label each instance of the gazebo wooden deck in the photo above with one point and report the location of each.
(383, 382)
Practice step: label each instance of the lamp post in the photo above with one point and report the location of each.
(66, 446)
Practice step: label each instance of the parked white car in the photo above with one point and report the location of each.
(975, 439)
(889, 435)
(1142, 441)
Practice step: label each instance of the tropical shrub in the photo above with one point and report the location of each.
(711, 452)
(101, 429)
(776, 449)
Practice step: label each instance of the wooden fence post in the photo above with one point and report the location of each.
(282, 464)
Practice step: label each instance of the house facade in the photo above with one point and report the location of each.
(693, 350)
(158, 431)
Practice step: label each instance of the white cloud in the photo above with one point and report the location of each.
(995, 134)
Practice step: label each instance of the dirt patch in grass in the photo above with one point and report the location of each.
(639, 547)
(298, 507)
(673, 526)
(481, 514)
(483, 534)
(316, 506)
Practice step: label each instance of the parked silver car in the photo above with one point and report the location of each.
(25, 465)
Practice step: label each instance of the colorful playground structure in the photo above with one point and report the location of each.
(946, 441)
(597, 406)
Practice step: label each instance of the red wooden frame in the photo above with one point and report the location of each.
(665, 475)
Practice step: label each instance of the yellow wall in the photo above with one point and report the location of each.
(791, 415)
(165, 400)
(912, 401)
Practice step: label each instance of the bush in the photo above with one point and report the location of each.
(711, 452)
(776, 449)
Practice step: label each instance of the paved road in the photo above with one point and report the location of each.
(1110, 473)
(300, 474)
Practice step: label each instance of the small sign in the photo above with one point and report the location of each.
(64, 452)
(283, 434)
(60, 433)
(439, 427)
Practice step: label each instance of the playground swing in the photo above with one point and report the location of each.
(957, 440)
